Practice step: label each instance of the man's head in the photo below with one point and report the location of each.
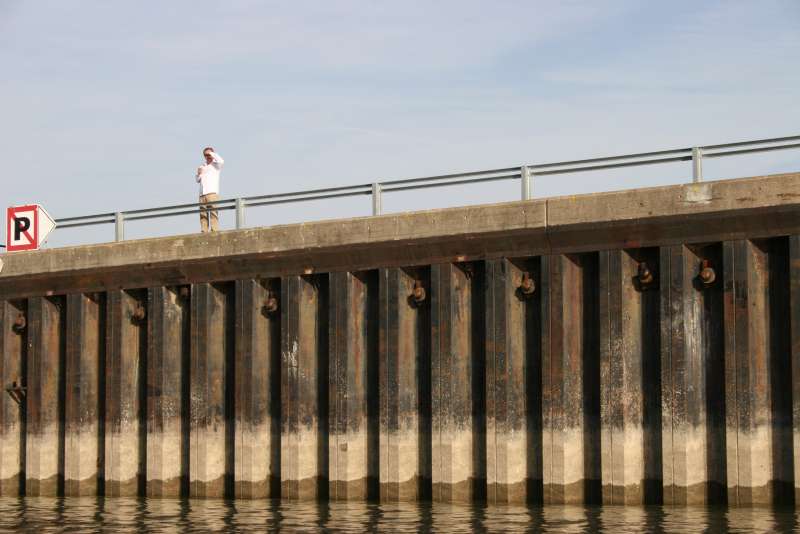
(207, 154)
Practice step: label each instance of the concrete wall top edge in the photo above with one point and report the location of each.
(560, 223)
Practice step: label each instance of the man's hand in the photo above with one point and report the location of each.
(199, 170)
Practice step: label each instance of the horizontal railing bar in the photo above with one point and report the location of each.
(174, 213)
(303, 199)
(80, 224)
(447, 176)
(367, 189)
(456, 182)
(749, 150)
(757, 142)
(615, 165)
(179, 206)
(611, 158)
(83, 217)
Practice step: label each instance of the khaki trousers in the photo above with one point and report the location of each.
(207, 211)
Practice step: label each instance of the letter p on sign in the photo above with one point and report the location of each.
(27, 227)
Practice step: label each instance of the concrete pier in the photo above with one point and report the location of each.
(621, 348)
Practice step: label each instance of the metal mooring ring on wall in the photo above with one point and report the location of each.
(527, 286)
(418, 294)
(139, 314)
(20, 323)
(707, 274)
(271, 305)
(645, 278)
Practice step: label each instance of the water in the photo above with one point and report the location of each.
(152, 515)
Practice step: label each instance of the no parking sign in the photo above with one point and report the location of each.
(27, 227)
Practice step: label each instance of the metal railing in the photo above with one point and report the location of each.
(525, 173)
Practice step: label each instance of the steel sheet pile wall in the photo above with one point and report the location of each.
(660, 374)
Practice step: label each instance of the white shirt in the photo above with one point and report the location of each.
(208, 178)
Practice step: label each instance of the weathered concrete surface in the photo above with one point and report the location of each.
(711, 211)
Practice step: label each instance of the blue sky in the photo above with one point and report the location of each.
(107, 104)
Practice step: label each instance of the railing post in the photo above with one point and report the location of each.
(377, 204)
(527, 184)
(697, 164)
(119, 226)
(239, 213)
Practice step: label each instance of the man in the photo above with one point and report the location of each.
(208, 178)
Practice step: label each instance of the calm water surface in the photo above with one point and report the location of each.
(132, 515)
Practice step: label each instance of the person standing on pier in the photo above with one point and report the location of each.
(208, 178)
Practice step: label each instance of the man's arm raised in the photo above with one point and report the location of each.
(216, 159)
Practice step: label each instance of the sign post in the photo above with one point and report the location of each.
(27, 227)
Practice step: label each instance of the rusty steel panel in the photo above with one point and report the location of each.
(757, 385)
(693, 375)
(167, 392)
(211, 352)
(44, 440)
(626, 376)
(353, 359)
(85, 363)
(404, 385)
(13, 356)
(630, 356)
(570, 380)
(125, 392)
(513, 340)
(794, 313)
(304, 387)
(257, 447)
(458, 383)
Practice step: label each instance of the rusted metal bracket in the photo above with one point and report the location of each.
(20, 324)
(707, 274)
(17, 392)
(527, 286)
(139, 314)
(645, 278)
(271, 304)
(418, 294)
(184, 292)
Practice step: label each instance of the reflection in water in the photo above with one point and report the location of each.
(155, 515)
